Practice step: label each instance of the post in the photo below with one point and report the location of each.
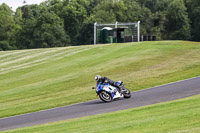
(138, 24)
(116, 24)
(95, 33)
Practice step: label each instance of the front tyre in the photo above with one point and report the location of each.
(127, 93)
(105, 96)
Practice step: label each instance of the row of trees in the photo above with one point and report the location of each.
(56, 23)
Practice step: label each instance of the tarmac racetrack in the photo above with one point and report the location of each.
(176, 90)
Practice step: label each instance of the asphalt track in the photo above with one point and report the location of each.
(171, 91)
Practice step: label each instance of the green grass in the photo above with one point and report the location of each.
(33, 80)
(179, 116)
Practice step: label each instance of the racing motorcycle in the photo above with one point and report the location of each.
(108, 93)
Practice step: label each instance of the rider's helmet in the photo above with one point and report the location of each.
(97, 77)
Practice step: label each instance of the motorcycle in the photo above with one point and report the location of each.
(108, 93)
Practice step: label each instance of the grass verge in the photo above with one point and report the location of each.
(38, 79)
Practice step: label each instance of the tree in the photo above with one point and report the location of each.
(41, 28)
(70, 22)
(26, 17)
(6, 9)
(158, 9)
(50, 31)
(7, 28)
(86, 32)
(177, 24)
(54, 6)
(110, 11)
(136, 11)
(193, 7)
(92, 5)
(74, 13)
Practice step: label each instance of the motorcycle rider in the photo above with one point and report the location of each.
(103, 80)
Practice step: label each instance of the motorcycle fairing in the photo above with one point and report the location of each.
(110, 89)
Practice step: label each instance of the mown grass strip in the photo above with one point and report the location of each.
(62, 76)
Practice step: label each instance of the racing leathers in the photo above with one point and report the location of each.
(111, 82)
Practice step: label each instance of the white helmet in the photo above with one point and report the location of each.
(97, 77)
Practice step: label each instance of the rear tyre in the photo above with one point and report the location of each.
(127, 93)
(105, 96)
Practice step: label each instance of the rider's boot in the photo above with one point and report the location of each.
(121, 90)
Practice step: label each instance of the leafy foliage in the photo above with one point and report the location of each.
(177, 24)
(193, 8)
(7, 28)
(56, 23)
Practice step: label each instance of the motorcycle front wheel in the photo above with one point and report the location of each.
(105, 96)
(127, 93)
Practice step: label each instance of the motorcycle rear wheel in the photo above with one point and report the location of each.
(105, 96)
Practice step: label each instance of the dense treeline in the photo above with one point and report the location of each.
(56, 23)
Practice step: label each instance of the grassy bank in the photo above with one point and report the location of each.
(33, 80)
(177, 116)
